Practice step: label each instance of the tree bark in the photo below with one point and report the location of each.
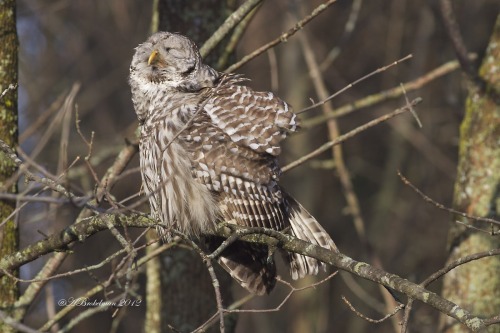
(185, 295)
(476, 285)
(9, 236)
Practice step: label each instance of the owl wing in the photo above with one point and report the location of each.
(257, 120)
(244, 181)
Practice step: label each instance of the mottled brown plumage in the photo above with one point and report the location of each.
(208, 153)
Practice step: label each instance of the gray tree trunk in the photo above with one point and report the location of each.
(9, 236)
(476, 285)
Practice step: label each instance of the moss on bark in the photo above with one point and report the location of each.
(9, 237)
(476, 285)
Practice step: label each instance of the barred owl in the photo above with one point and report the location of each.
(208, 153)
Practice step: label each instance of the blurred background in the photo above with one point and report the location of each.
(82, 49)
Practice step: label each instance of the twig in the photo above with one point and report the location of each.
(89, 312)
(453, 31)
(207, 260)
(113, 174)
(283, 38)
(6, 90)
(16, 324)
(32, 198)
(375, 321)
(492, 321)
(440, 273)
(287, 297)
(349, 135)
(349, 27)
(236, 37)
(341, 168)
(350, 85)
(333, 133)
(443, 207)
(69, 100)
(233, 308)
(413, 113)
(228, 25)
(42, 118)
(385, 95)
(61, 314)
(361, 293)
(459, 262)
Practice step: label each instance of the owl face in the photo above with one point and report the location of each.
(171, 61)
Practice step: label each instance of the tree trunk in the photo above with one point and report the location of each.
(476, 285)
(185, 297)
(9, 236)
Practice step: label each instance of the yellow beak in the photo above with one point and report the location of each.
(152, 57)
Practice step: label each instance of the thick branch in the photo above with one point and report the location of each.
(87, 227)
(79, 231)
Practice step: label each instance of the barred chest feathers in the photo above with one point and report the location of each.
(176, 198)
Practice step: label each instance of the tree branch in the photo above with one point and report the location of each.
(87, 227)
(79, 231)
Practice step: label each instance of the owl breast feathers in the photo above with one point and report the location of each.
(208, 154)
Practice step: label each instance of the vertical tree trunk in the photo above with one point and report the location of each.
(476, 285)
(9, 237)
(185, 297)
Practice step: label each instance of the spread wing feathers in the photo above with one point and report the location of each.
(258, 120)
(237, 164)
(305, 227)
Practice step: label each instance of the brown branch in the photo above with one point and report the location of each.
(385, 95)
(344, 176)
(375, 321)
(453, 30)
(349, 135)
(235, 18)
(350, 85)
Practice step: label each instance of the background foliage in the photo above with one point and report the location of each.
(88, 45)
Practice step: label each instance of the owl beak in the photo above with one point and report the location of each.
(153, 57)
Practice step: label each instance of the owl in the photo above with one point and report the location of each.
(208, 154)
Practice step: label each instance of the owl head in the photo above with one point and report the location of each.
(171, 61)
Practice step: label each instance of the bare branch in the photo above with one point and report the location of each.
(457, 41)
(364, 270)
(375, 321)
(283, 38)
(443, 207)
(228, 25)
(350, 85)
(349, 135)
(79, 231)
(15, 324)
(385, 95)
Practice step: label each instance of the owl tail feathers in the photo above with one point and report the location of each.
(305, 227)
(249, 264)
